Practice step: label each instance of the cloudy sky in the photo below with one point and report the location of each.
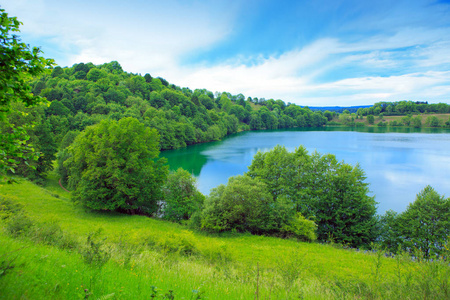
(316, 53)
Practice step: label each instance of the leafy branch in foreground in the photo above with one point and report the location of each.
(18, 65)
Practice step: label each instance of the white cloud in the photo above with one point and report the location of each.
(409, 62)
(143, 36)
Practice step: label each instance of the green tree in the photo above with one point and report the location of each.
(244, 204)
(334, 194)
(47, 147)
(329, 115)
(95, 74)
(425, 224)
(115, 166)
(181, 197)
(345, 212)
(432, 121)
(370, 119)
(416, 121)
(389, 231)
(18, 64)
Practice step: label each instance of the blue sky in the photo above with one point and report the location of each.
(315, 53)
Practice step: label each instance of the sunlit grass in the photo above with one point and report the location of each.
(152, 257)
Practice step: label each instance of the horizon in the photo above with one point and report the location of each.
(310, 54)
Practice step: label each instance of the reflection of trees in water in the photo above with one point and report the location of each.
(191, 158)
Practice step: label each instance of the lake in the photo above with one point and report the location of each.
(398, 162)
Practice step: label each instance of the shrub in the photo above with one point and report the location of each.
(8, 208)
(95, 252)
(244, 204)
(18, 224)
(183, 243)
(301, 228)
(181, 197)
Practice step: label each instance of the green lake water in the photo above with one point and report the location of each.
(398, 163)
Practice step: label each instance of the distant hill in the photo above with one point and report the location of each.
(338, 109)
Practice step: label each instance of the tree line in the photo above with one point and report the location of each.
(404, 107)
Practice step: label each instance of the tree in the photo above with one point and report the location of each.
(18, 64)
(95, 74)
(47, 147)
(370, 119)
(329, 115)
(244, 204)
(389, 236)
(425, 224)
(332, 193)
(345, 212)
(432, 121)
(181, 197)
(416, 121)
(115, 166)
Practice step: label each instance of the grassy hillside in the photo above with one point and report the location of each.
(51, 249)
(423, 117)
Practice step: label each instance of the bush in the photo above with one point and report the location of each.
(183, 243)
(95, 252)
(244, 204)
(8, 208)
(181, 197)
(19, 224)
(301, 228)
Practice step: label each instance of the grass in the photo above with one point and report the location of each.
(442, 117)
(64, 252)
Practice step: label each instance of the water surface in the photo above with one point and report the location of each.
(398, 163)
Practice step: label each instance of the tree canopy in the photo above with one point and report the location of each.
(424, 226)
(244, 204)
(332, 193)
(181, 197)
(114, 165)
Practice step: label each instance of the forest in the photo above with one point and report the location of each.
(101, 130)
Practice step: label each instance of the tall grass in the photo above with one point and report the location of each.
(50, 249)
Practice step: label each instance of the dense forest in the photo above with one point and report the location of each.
(83, 94)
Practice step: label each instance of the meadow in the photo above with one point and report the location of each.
(52, 249)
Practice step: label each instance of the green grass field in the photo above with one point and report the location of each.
(442, 117)
(51, 249)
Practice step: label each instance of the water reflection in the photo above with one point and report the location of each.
(398, 163)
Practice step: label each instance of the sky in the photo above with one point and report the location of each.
(315, 53)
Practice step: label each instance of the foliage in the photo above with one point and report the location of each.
(333, 193)
(181, 197)
(8, 208)
(424, 226)
(114, 166)
(244, 204)
(404, 108)
(18, 64)
(301, 228)
(94, 251)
